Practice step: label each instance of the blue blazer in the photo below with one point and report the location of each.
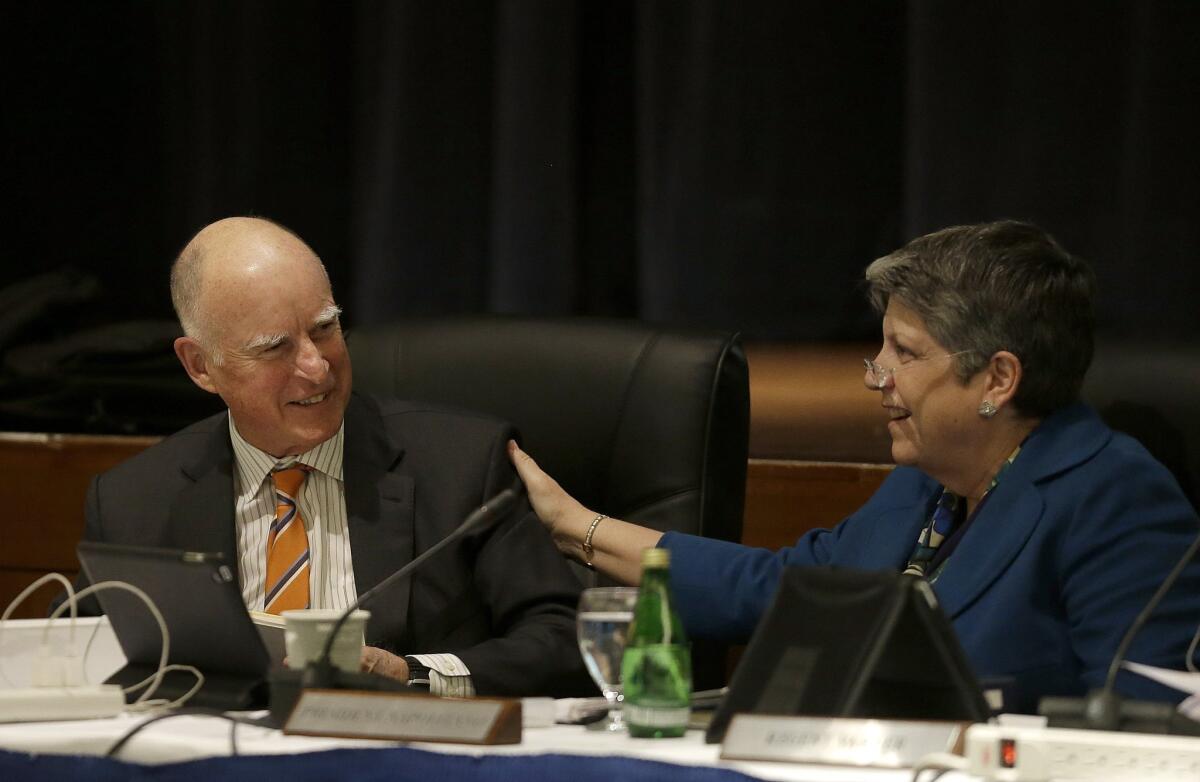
(1073, 541)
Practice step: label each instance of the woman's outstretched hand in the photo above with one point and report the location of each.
(559, 511)
(618, 545)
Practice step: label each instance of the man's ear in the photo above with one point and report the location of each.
(195, 362)
(1004, 375)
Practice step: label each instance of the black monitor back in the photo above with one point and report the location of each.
(846, 643)
(198, 596)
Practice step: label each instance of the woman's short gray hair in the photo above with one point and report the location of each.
(996, 286)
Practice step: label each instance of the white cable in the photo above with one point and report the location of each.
(158, 617)
(87, 649)
(29, 590)
(160, 703)
(154, 680)
(938, 761)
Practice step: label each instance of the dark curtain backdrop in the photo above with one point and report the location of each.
(723, 163)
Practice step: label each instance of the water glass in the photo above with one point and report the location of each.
(603, 624)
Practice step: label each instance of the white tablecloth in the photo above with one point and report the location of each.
(191, 737)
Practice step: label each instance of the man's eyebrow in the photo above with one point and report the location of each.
(327, 315)
(264, 341)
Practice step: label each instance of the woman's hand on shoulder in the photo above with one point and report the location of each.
(558, 511)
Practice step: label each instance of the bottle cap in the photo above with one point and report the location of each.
(656, 557)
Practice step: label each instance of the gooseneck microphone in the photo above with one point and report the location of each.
(1103, 709)
(321, 674)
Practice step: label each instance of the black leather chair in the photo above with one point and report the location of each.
(644, 423)
(1152, 391)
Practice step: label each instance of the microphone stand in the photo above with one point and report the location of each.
(287, 684)
(1103, 709)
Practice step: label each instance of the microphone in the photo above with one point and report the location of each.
(321, 674)
(1103, 709)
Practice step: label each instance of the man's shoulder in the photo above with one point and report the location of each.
(173, 451)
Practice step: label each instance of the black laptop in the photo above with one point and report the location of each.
(209, 626)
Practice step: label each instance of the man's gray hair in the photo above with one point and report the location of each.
(996, 286)
(187, 284)
(185, 290)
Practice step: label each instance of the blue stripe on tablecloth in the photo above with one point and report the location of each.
(356, 765)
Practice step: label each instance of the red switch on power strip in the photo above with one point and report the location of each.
(1008, 753)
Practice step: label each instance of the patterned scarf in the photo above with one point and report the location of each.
(947, 516)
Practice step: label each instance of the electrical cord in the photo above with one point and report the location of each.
(156, 680)
(87, 649)
(161, 703)
(185, 712)
(71, 602)
(940, 762)
(144, 702)
(19, 599)
(151, 683)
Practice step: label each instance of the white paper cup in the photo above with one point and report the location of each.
(306, 629)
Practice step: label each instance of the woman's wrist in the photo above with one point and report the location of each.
(571, 530)
(589, 549)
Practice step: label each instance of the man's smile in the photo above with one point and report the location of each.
(312, 400)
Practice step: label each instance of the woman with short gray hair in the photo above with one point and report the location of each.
(998, 286)
(1042, 531)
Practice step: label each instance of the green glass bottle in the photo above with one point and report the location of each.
(656, 671)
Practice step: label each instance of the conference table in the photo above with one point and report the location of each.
(195, 747)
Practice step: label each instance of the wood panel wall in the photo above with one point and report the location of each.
(785, 499)
(43, 484)
(808, 403)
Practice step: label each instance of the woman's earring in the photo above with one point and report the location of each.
(987, 409)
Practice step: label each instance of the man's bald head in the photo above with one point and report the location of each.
(263, 333)
(228, 246)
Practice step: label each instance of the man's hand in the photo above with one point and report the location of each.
(378, 661)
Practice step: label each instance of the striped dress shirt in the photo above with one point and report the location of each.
(322, 504)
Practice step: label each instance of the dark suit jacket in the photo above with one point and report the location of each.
(1068, 548)
(502, 599)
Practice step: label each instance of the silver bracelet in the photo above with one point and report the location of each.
(588, 551)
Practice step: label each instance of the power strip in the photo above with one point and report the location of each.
(42, 704)
(1011, 754)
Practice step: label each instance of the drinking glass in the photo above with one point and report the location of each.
(603, 625)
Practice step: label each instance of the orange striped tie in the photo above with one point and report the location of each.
(287, 545)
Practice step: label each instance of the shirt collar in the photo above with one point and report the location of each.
(253, 464)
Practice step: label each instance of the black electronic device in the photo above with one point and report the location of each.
(198, 596)
(849, 643)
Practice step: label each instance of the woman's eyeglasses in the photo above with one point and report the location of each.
(879, 376)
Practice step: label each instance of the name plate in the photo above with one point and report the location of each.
(405, 717)
(835, 741)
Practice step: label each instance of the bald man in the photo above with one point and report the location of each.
(382, 481)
